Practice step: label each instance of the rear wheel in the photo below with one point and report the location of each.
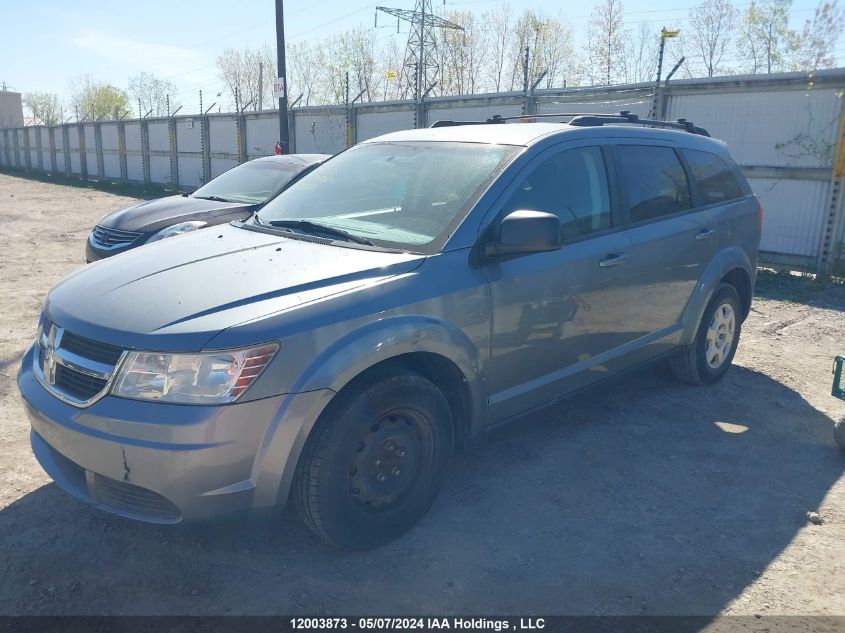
(709, 357)
(376, 461)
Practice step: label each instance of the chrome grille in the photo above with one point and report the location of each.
(100, 352)
(111, 238)
(80, 386)
(76, 369)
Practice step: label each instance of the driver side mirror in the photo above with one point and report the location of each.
(526, 232)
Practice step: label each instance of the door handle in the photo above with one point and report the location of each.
(614, 259)
(705, 234)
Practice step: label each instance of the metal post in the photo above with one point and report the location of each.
(260, 86)
(83, 157)
(832, 229)
(206, 148)
(525, 81)
(39, 149)
(346, 103)
(173, 150)
(145, 149)
(240, 133)
(66, 148)
(51, 139)
(98, 148)
(121, 150)
(27, 157)
(284, 136)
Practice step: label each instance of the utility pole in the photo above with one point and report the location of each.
(284, 140)
(664, 35)
(420, 65)
(260, 85)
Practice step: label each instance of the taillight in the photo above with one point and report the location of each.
(760, 216)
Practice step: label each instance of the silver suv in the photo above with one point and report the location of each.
(402, 298)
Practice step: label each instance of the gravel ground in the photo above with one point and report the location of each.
(649, 497)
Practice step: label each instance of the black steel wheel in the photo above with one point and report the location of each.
(375, 461)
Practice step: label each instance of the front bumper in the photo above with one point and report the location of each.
(165, 463)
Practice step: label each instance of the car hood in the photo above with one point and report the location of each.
(151, 215)
(176, 294)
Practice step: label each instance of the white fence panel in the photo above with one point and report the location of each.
(223, 135)
(73, 146)
(262, 132)
(371, 124)
(793, 214)
(90, 150)
(782, 128)
(59, 137)
(320, 133)
(111, 156)
(46, 160)
(134, 160)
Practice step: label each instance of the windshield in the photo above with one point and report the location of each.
(396, 195)
(252, 183)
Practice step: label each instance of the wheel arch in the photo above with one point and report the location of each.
(730, 265)
(433, 349)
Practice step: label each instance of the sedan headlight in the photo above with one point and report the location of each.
(177, 229)
(204, 378)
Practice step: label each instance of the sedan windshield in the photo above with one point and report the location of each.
(251, 183)
(395, 195)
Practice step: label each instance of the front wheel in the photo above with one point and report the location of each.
(709, 357)
(376, 461)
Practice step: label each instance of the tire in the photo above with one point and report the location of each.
(839, 434)
(703, 362)
(376, 461)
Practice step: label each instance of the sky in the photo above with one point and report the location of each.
(45, 44)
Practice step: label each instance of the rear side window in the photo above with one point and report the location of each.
(573, 186)
(715, 178)
(653, 180)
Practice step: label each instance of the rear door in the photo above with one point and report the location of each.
(672, 240)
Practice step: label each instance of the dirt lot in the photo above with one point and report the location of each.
(650, 497)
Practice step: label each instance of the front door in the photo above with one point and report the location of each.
(558, 317)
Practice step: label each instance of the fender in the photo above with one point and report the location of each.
(724, 261)
(334, 368)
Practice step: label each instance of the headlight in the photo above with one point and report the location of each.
(205, 378)
(177, 229)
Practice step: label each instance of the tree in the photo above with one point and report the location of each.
(606, 43)
(152, 93)
(710, 25)
(462, 55)
(241, 70)
(641, 54)
(302, 72)
(498, 24)
(765, 39)
(813, 48)
(44, 107)
(94, 100)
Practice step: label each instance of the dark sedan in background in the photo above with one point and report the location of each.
(233, 195)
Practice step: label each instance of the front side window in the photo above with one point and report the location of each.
(251, 183)
(571, 185)
(715, 178)
(654, 181)
(406, 195)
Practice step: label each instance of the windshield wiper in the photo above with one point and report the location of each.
(215, 198)
(314, 227)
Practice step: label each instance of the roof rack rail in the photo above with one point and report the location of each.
(588, 119)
